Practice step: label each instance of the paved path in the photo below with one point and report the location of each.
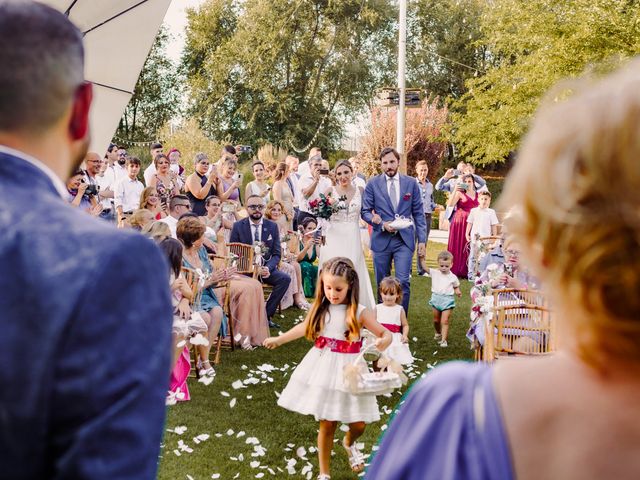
(439, 236)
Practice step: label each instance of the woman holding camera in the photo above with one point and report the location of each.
(463, 198)
(79, 197)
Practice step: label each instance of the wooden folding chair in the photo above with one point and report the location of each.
(519, 330)
(193, 280)
(245, 264)
(516, 296)
(243, 254)
(219, 261)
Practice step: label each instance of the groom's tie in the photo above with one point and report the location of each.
(393, 193)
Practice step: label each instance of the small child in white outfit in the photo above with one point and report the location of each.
(482, 221)
(443, 286)
(391, 316)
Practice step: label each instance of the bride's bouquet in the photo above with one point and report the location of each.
(326, 205)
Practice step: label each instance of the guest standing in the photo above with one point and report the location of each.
(199, 186)
(464, 198)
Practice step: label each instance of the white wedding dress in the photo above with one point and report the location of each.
(342, 239)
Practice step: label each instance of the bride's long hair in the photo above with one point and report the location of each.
(339, 267)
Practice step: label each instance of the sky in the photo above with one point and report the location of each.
(176, 21)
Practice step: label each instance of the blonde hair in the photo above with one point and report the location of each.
(270, 206)
(157, 231)
(139, 218)
(576, 186)
(339, 267)
(144, 196)
(391, 285)
(445, 255)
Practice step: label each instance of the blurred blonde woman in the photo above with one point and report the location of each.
(572, 415)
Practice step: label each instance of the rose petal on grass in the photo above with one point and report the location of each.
(232, 403)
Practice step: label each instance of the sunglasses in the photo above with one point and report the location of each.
(186, 205)
(255, 207)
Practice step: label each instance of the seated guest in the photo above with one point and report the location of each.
(79, 197)
(150, 200)
(194, 256)
(247, 304)
(256, 229)
(229, 184)
(259, 186)
(185, 324)
(127, 191)
(139, 219)
(289, 265)
(199, 186)
(216, 219)
(307, 256)
(156, 231)
(576, 181)
(178, 205)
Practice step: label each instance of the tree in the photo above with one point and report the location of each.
(422, 137)
(534, 44)
(285, 72)
(156, 97)
(445, 45)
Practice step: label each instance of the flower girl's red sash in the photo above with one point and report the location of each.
(392, 327)
(339, 346)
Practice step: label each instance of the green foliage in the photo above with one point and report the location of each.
(445, 47)
(279, 71)
(156, 97)
(534, 44)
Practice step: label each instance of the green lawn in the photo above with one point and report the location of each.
(249, 436)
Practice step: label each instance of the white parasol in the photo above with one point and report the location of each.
(118, 35)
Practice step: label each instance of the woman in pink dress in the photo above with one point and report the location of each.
(464, 198)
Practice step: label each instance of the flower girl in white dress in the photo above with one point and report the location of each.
(317, 386)
(391, 316)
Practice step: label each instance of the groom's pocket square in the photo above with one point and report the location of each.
(270, 238)
(407, 196)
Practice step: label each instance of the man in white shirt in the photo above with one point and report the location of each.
(304, 169)
(150, 171)
(178, 206)
(106, 180)
(127, 191)
(310, 187)
(119, 167)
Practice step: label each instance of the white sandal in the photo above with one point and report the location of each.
(324, 476)
(356, 459)
(205, 371)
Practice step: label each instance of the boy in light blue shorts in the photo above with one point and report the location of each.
(444, 285)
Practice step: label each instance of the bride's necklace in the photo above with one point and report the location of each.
(346, 194)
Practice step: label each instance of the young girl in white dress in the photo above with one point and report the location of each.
(317, 387)
(391, 316)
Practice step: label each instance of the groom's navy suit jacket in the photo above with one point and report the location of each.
(376, 198)
(85, 337)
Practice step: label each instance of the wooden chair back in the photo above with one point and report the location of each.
(519, 330)
(516, 296)
(244, 253)
(224, 289)
(193, 280)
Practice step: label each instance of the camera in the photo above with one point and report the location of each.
(244, 149)
(457, 173)
(463, 186)
(317, 233)
(92, 189)
(323, 171)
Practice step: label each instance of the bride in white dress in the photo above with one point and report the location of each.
(342, 236)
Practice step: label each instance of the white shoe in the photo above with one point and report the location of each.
(443, 344)
(425, 274)
(437, 337)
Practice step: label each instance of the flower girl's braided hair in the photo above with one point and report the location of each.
(339, 267)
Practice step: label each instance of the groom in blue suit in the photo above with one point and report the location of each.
(386, 196)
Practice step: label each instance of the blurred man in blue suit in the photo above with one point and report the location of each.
(85, 310)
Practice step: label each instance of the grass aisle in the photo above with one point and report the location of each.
(249, 436)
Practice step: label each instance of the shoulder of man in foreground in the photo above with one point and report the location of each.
(88, 307)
